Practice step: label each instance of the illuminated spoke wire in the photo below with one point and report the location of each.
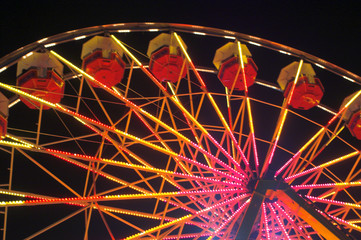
(186, 158)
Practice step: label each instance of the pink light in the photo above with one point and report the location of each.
(232, 216)
(287, 163)
(335, 202)
(266, 221)
(279, 221)
(302, 173)
(255, 149)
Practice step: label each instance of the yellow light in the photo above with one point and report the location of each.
(289, 98)
(80, 37)
(182, 47)
(282, 123)
(3, 69)
(14, 144)
(165, 225)
(50, 45)
(172, 90)
(353, 99)
(19, 140)
(250, 114)
(227, 97)
(311, 140)
(339, 159)
(126, 50)
(22, 93)
(327, 195)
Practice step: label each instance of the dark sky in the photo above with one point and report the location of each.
(328, 29)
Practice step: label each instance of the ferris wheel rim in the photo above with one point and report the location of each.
(77, 34)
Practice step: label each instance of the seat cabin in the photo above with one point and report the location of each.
(4, 112)
(308, 91)
(102, 59)
(40, 75)
(227, 61)
(352, 115)
(166, 59)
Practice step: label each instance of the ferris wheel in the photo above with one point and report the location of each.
(173, 131)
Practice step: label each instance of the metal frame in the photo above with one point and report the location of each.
(207, 164)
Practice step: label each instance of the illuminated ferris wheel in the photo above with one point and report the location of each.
(172, 131)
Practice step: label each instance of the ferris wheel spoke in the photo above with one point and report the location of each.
(345, 223)
(147, 114)
(291, 222)
(280, 122)
(248, 104)
(176, 102)
(212, 101)
(278, 220)
(323, 166)
(187, 217)
(324, 129)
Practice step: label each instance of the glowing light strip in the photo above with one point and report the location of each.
(140, 167)
(249, 111)
(11, 193)
(287, 163)
(80, 37)
(280, 223)
(165, 225)
(327, 185)
(185, 236)
(131, 104)
(118, 197)
(290, 220)
(295, 82)
(19, 140)
(14, 103)
(3, 69)
(189, 59)
(229, 37)
(224, 122)
(266, 221)
(126, 50)
(312, 139)
(233, 215)
(334, 202)
(253, 43)
(148, 144)
(283, 119)
(319, 65)
(322, 165)
(25, 94)
(14, 144)
(350, 79)
(345, 107)
(199, 33)
(190, 216)
(50, 45)
(42, 40)
(326, 109)
(339, 159)
(348, 223)
(177, 102)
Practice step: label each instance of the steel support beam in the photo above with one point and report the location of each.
(271, 189)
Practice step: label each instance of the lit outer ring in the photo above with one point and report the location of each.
(13, 57)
